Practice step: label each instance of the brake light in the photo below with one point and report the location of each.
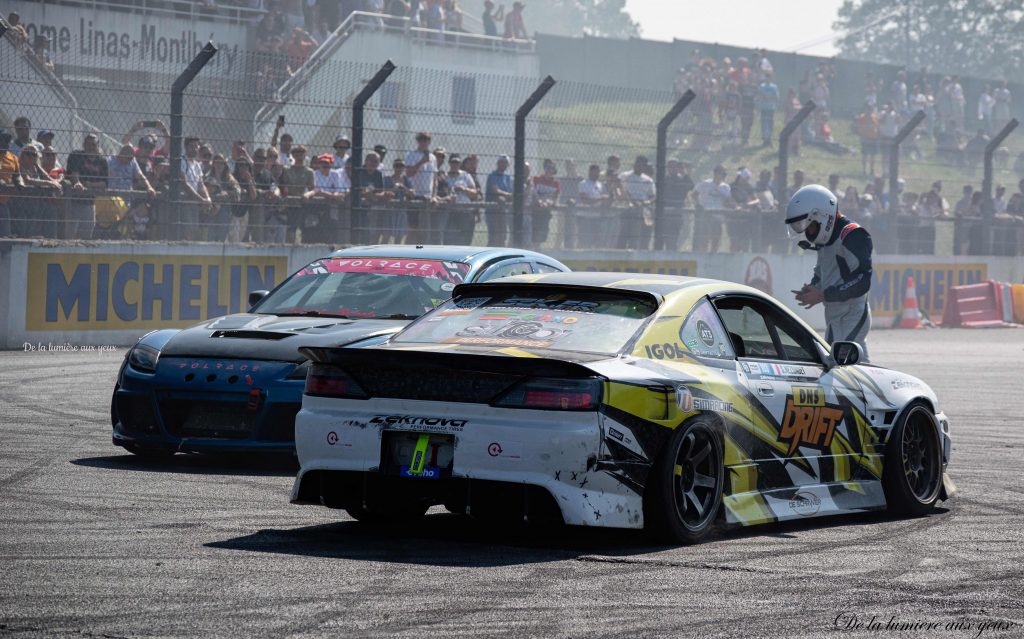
(324, 380)
(553, 394)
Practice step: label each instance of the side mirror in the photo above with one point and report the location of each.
(847, 353)
(255, 297)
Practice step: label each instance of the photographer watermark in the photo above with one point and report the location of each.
(68, 347)
(896, 624)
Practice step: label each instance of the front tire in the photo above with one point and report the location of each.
(684, 490)
(912, 476)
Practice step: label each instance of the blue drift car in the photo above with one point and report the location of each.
(235, 383)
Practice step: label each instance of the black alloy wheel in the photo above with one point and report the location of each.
(685, 488)
(912, 478)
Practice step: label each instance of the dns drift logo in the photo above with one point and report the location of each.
(808, 421)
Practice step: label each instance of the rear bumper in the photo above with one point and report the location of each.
(556, 451)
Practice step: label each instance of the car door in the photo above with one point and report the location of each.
(815, 408)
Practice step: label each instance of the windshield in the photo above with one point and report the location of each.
(573, 320)
(356, 287)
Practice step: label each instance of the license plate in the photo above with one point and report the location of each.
(218, 419)
(418, 455)
(429, 472)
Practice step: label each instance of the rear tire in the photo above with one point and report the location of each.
(684, 489)
(912, 475)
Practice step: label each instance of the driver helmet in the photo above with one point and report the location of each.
(813, 203)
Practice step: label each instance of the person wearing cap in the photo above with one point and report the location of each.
(546, 190)
(515, 28)
(45, 137)
(381, 151)
(842, 276)
(10, 179)
(368, 223)
(421, 169)
(342, 148)
(148, 143)
(36, 214)
(499, 195)
(394, 220)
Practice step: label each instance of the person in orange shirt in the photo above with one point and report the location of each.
(867, 130)
(10, 177)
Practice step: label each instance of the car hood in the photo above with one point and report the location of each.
(269, 337)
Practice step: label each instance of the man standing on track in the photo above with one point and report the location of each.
(842, 276)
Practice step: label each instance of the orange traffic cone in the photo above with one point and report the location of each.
(911, 315)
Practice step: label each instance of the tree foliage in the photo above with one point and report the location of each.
(976, 37)
(607, 18)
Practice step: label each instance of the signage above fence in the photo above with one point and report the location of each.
(88, 37)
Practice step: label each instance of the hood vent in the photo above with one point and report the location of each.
(270, 335)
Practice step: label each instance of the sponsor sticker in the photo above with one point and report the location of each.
(705, 333)
(805, 504)
(332, 438)
(687, 402)
(812, 426)
(497, 341)
(509, 450)
(808, 396)
(419, 423)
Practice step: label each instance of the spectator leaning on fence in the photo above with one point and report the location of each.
(499, 193)
(546, 190)
(10, 179)
(194, 197)
(637, 220)
(463, 191)
(713, 195)
(421, 169)
(36, 214)
(87, 171)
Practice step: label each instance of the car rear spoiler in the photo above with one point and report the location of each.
(367, 359)
(495, 287)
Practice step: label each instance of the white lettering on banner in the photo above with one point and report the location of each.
(97, 38)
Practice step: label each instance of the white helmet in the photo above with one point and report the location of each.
(813, 203)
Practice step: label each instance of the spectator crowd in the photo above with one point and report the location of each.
(286, 193)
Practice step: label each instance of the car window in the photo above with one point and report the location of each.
(547, 268)
(506, 270)
(366, 288)
(703, 334)
(547, 318)
(749, 326)
(765, 331)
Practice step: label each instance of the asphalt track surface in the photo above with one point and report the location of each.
(97, 543)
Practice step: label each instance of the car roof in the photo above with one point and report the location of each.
(470, 254)
(663, 285)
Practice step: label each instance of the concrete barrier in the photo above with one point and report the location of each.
(110, 293)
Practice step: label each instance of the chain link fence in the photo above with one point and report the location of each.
(258, 128)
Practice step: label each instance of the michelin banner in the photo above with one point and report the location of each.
(108, 291)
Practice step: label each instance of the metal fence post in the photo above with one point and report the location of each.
(358, 111)
(177, 106)
(987, 205)
(519, 177)
(787, 131)
(660, 160)
(894, 160)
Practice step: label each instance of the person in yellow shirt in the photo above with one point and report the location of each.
(10, 178)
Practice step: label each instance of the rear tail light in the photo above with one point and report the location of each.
(325, 380)
(553, 394)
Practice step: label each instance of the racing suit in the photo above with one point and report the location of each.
(843, 272)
